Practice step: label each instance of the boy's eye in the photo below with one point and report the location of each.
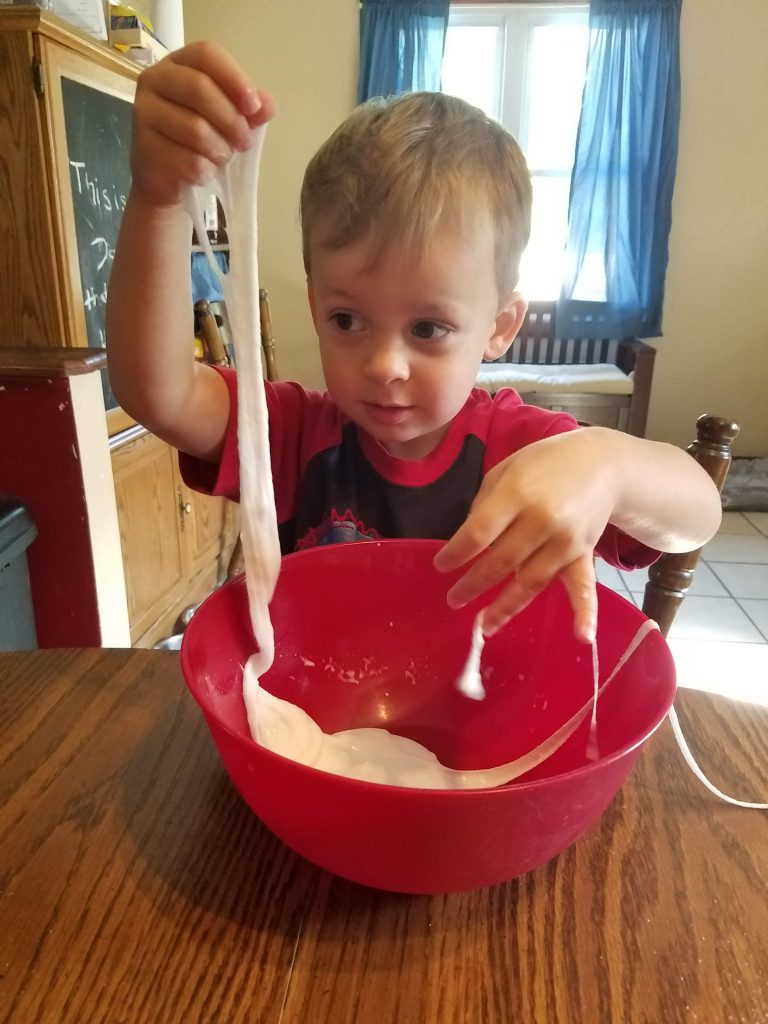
(428, 330)
(346, 321)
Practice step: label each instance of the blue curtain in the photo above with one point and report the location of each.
(401, 46)
(620, 208)
(205, 284)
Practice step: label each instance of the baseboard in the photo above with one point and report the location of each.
(746, 488)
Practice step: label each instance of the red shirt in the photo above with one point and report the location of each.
(334, 482)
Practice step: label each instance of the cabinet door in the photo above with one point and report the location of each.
(210, 527)
(87, 133)
(152, 541)
(176, 543)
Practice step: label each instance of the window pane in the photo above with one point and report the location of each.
(470, 65)
(557, 55)
(541, 269)
(524, 65)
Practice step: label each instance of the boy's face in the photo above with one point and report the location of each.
(401, 339)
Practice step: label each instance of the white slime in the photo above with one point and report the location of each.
(470, 682)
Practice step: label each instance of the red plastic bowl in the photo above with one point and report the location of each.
(377, 610)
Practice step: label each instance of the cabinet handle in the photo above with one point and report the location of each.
(185, 508)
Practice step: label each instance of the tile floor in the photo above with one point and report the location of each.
(720, 635)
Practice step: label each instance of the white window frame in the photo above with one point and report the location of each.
(515, 22)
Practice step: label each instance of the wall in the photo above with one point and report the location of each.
(713, 354)
(306, 55)
(716, 319)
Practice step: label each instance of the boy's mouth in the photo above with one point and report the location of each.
(387, 414)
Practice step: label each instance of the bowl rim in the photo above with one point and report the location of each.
(249, 744)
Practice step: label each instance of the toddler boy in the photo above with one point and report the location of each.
(414, 216)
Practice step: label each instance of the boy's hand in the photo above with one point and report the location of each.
(537, 515)
(193, 110)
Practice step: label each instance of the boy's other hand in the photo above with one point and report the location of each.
(538, 515)
(193, 111)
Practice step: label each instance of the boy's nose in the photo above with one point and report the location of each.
(387, 361)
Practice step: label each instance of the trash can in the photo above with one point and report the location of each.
(17, 620)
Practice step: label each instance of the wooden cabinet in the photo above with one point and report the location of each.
(175, 543)
(47, 186)
(65, 137)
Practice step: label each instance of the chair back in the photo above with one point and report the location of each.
(670, 577)
(212, 323)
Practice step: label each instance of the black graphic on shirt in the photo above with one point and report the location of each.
(342, 497)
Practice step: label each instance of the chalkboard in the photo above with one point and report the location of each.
(98, 127)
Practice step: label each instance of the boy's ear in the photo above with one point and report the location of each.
(506, 327)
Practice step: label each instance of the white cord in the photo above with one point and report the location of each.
(685, 750)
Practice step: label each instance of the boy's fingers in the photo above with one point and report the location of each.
(195, 171)
(184, 128)
(195, 93)
(581, 585)
(513, 599)
(266, 111)
(515, 547)
(219, 65)
(534, 576)
(256, 105)
(479, 530)
(205, 79)
(467, 543)
(161, 182)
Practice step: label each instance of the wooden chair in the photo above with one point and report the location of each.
(669, 578)
(212, 324)
(268, 342)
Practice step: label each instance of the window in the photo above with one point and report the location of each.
(524, 65)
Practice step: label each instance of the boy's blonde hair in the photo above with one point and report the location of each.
(402, 167)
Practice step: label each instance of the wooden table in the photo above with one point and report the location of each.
(136, 886)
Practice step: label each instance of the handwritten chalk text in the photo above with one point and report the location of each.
(101, 197)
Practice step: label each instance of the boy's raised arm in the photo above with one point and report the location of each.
(193, 110)
(150, 333)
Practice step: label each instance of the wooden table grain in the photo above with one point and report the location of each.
(136, 886)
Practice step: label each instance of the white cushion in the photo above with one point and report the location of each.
(575, 378)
